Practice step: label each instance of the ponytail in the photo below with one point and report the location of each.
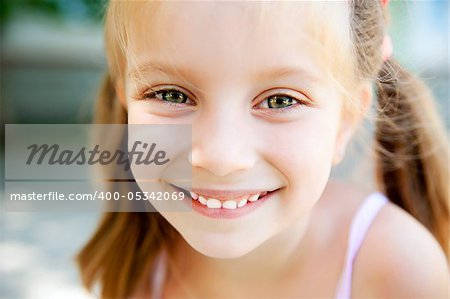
(124, 248)
(122, 252)
(412, 150)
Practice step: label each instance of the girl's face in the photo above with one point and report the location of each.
(264, 112)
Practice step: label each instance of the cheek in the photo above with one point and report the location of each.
(302, 146)
(302, 151)
(144, 113)
(138, 114)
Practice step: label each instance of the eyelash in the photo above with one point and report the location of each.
(294, 107)
(155, 95)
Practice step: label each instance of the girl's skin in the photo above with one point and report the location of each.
(293, 245)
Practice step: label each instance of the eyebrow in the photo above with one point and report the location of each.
(273, 72)
(286, 71)
(149, 67)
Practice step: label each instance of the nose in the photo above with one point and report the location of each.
(222, 143)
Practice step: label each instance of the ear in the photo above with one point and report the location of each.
(120, 92)
(350, 121)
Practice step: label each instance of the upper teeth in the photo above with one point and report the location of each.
(214, 203)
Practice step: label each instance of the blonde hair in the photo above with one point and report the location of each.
(411, 153)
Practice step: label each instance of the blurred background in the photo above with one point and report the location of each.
(51, 62)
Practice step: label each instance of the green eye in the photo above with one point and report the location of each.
(172, 96)
(280, 101)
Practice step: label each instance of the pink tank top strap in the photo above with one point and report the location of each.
(359, 227)
(158, 276)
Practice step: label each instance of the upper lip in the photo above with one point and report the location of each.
(225, 194)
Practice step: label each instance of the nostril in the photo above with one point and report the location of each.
(221, 159)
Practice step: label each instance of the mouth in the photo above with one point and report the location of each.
(225, 204)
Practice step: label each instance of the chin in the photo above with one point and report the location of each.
(220, 246)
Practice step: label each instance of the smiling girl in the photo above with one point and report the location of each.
(273, 92)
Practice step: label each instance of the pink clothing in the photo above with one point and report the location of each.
(159, 275)
(360, 224)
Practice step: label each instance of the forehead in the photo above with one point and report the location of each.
(233, 37)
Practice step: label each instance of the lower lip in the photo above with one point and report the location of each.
(223, 213)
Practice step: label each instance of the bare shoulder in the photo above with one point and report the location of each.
(399, 258)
